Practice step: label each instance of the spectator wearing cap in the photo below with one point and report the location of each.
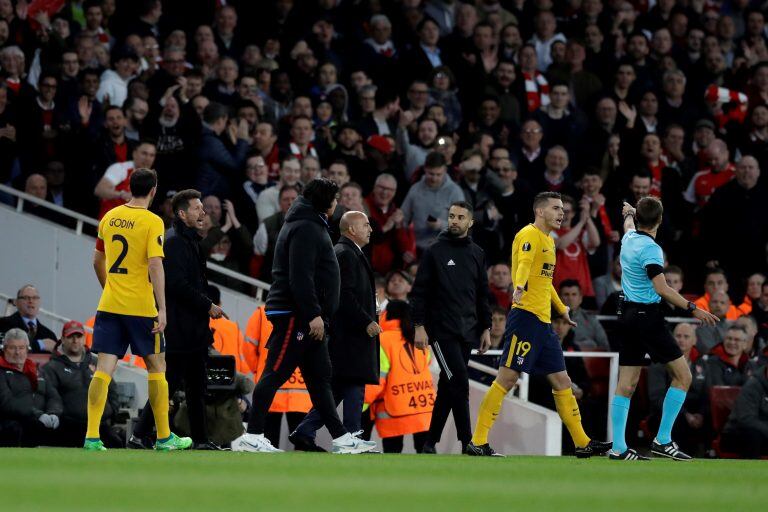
(114, 82)
(67, 375)
(427, 202)
(24, 414)
(398, 285)
(42, 339)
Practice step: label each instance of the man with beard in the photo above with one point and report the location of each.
(451, 312)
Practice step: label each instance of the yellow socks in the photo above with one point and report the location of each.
(97, 399)
(158, 399)
(568, 409)
(489, 410)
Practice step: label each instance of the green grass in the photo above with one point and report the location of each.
(61, 480)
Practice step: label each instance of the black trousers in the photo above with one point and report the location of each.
(274, 422)
(290, 346)
(747, 442)
(452, 389)
(184, 371)
(395, 444)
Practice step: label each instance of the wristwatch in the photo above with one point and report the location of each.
(691, 307)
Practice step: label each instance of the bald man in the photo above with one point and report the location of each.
(36, 185)
(689, 426)
(710, 336)
(720, 171)
(354, 333)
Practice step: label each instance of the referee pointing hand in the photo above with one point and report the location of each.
(643, 331)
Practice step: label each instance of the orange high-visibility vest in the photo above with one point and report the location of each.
(732, 314)
(128, 358)
(228, 340)
(293, 395)
(89, 334)
(406, 391)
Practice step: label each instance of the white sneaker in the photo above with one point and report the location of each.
(350, 443)
(253, 443)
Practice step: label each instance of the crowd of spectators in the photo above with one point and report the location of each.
(409, 105)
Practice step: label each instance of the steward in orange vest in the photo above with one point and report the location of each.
(402, 403)
(228, 340)
(292, 398)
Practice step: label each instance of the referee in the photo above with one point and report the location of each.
(643, 331)
(450, 307)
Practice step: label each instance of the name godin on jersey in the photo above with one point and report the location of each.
(122, 223)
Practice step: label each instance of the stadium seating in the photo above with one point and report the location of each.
(721, 399)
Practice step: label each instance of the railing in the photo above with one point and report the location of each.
(523, 382)
(82, 220)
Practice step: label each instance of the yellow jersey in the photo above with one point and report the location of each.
(129, 236)
(533, 265)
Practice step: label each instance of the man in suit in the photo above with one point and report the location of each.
(354, 332)
(41, 338)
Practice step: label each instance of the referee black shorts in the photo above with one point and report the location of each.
(642, 330)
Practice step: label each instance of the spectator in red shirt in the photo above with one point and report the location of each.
(719, 172)
(499, 282)
(114, 187)
(573, 242)
(393, 243)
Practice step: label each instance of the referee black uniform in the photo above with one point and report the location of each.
(450, 299)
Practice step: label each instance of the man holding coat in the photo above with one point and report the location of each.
(354, 332)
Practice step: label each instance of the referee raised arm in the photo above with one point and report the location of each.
(643, 331)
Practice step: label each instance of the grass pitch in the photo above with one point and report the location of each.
(69, 479)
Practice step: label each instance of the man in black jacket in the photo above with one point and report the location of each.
(41, 338)
(67, 376)
(187, 335)
(451, 311)
(304, 296)
(353, 346)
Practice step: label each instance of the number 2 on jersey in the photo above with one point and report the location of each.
(116, 268)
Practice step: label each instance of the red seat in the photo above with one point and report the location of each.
(598, 369)
(40, 359)
(721, 400)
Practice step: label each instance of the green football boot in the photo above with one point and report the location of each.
(94, 446)
(174, 443)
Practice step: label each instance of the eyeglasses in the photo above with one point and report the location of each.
(418, 91)
(387, 189)
(532, 131)
(505, 169)
(48, 85)
(28, 297)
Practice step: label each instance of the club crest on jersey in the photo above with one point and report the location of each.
(299, 336)
(526, 246)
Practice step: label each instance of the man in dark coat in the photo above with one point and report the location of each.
(187, 335)
(303, 298)
(354, 342)
(41, 338)
(451, 311)
(67, 376)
